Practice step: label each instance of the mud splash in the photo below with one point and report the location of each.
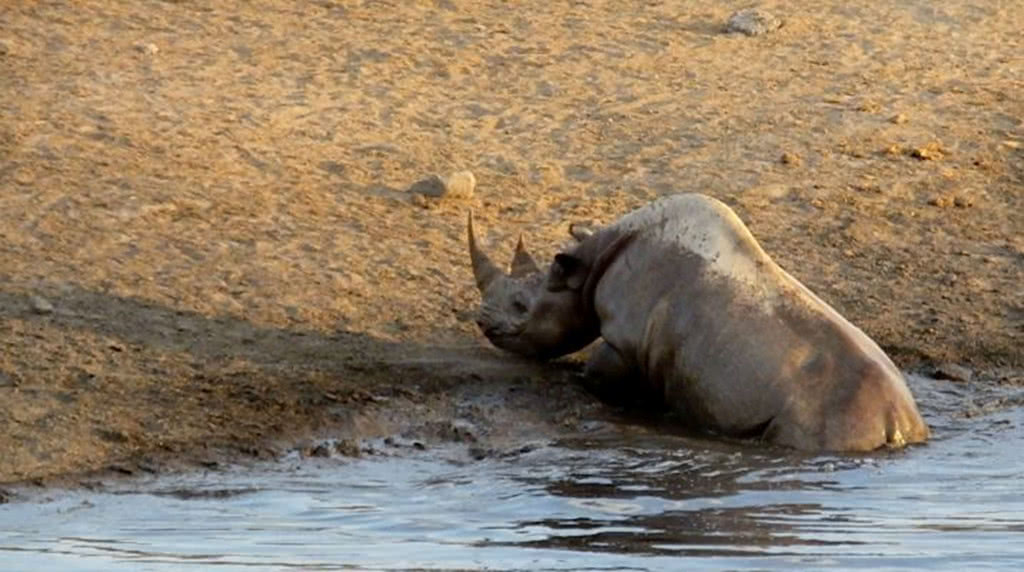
(619, 499)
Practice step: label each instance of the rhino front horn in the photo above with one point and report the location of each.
(484, 271)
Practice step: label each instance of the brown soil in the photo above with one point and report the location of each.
(207, 252)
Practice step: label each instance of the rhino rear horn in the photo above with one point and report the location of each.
(484, 271)
(522, 263)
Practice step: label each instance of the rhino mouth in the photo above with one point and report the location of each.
(516, 347)
(506, 339)
(493, 333)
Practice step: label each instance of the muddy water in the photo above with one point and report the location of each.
(619, 500)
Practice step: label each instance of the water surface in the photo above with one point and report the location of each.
(634, 501)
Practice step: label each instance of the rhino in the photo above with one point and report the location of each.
(691, 309)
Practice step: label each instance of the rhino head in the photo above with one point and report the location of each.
(529, 311)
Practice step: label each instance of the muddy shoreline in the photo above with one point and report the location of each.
(208, 253)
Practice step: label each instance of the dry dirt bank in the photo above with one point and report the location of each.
(208, 198)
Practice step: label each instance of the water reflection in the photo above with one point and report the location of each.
(660, 498)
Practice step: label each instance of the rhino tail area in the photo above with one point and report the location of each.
(879, 412)
(904, 426)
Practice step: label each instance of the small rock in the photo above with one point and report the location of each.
(147, 48)
(940, 201)
(460, 185)
(869, 106)
(40, 305)
(480, 453)
(347, 448)
(464, 430)
(321, 450)
(951, 371)
(790, 159)
(930, 152)
(963, 201)
(898, 119)
(752, 22)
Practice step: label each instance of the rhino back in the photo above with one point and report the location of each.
(731, 340)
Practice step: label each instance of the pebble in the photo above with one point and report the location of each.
(147, 48)
(790, 159)
(464, 430)
(941, 202)
(959, 201)
(321, 450)
(347, 448)
(460, 185)
(930, 152)
(951, 371)
(752, 22)
(898, 119)
(963, 201)
(40, 305)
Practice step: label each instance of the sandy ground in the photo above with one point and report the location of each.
(207, 251)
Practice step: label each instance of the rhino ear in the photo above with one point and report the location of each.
(580, 231)
(567, 273)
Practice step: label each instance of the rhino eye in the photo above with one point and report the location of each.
(519, 306)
